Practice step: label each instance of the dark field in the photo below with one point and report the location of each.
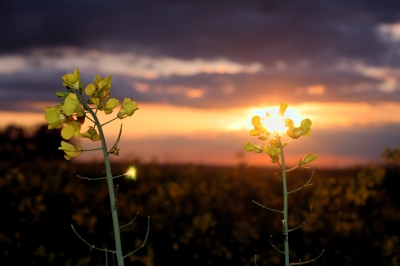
(200, 215)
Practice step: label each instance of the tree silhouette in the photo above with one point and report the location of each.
(19, 143)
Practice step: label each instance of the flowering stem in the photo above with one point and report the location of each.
(117, 236)
(285, 207)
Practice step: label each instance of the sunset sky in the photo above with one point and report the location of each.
(199, 70)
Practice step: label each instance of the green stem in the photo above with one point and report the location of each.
(109, 121)
(117, 235)
(96, 149)
(285, 207)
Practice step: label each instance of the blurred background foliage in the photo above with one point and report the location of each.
(200, 215)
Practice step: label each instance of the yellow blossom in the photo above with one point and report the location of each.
(296, 132)
(100, 89)
(250, 146)
(282, 109)
(103, 84)
(258, 127)
(307, 159)
(273, 150)
(54, 116)
(70, 150)
(72, 128)
(274, 132)
(90, 88)
(91, 134)
(71, 105)
(62, 94)
(109, 106)
(95, 101)
(73, 80)
(128, 107)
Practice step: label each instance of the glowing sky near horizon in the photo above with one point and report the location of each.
(198, 79)
(165, 122)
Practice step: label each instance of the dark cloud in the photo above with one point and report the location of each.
(308, 38)
(240, 30)
(224, 91)
(218, 90)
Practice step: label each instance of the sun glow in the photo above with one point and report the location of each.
(272, 120)
(274, 123)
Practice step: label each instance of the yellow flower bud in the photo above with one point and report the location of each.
(91, 134)
(109, 106)
(90, 88)
(258, 127)
(62, 94)
(115, 150)
(128, 107)
(72, 128)
(54, 116)
(250, 146)
(307, 159)
(70, 150)
(73, 80)
(273, 150)
(296, 132)
(72, 105)
(100, 89)
(103, 84)
(282, 109)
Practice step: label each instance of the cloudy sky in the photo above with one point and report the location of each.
(200, 70)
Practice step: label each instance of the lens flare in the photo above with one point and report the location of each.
(131, 173)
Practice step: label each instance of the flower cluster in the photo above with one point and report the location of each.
(70, 114)
(275, 146)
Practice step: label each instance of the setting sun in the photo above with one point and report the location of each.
(272, 120)
(274, 123)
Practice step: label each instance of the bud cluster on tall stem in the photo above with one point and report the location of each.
(71, 114)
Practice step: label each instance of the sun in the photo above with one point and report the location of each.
(239, 119)
(272, 120)
(274, 123)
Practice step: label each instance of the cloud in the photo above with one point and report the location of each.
(205, 55)
(39, 82)
(318, 89)
(240, 31)
(389, 32)
(128, 64)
